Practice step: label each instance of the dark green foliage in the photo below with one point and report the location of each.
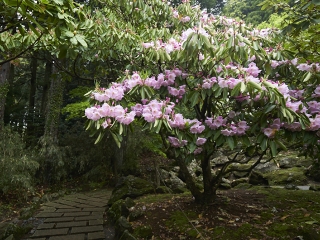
(247, 10)
(17, 165)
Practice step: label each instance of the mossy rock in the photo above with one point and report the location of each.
(295, 175)
(243, 186)
(120, 208)
(144, 232)
(236, 182)
(135, 213)
(162, 189)
(225, 186)
(121, 226)
(131, 187)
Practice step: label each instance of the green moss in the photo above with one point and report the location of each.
(294, 175)
(144, 232)
(179, 221)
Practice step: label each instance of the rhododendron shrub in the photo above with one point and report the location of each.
(214, 84)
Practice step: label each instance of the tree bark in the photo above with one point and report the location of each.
(209, 193)
(4, 77)
(31, 108)
(191, 185)
(45, 88)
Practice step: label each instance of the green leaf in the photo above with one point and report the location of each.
(307, 76)
(99, 137)
(116, 139)
(216, 135)
(230, 42)
(68, 33)
(273, 147)
(194, 99)
(159, 126)
(245, 140)
(74, 41)
(255, 85)
(264, 144)
(236, 89)
(230, 142)
(281, 145)
(120, 129)
(81, 40)
(269, 108)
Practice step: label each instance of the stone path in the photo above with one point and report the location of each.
(74, 217)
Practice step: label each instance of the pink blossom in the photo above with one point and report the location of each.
(148, 45)
(175, 142)
(185, 19)
(201, 141)
(197, 151)
(269, 132)
(92, 113)
(304, 67)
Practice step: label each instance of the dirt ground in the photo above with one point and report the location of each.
(238, 214)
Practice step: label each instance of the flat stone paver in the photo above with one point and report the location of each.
(86, 229)
(50, 232)
(46, 226)
(96, 236)
(71, 224)
(69, 237)
(73, 217)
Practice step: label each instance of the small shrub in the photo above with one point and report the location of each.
(17, 167)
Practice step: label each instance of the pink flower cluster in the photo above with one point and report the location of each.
(235, 129)
(176, 143)
(115, 92)
(170, 46)
(304, 67)
(117, 113)
(273, 128)
(229, 129)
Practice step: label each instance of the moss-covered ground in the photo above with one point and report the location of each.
(256, 213)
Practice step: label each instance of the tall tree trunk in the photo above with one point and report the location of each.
(31, 109)
(46, 84)
(53, 155)
(4, 77)
(118, 158)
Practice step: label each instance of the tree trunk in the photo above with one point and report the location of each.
(188, 179)
(4, 76)
(118, 158)
(45, 88)
(53, 155)
(209, 194)
(31, 138)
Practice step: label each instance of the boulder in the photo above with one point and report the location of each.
(121, 226)
(171, 180)
(135, 213)
(120, 208)
(236, 182)
(220, 160)
(291, 187)
(132, 187)
(256, 178)
(266, 167)
(314, 187)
